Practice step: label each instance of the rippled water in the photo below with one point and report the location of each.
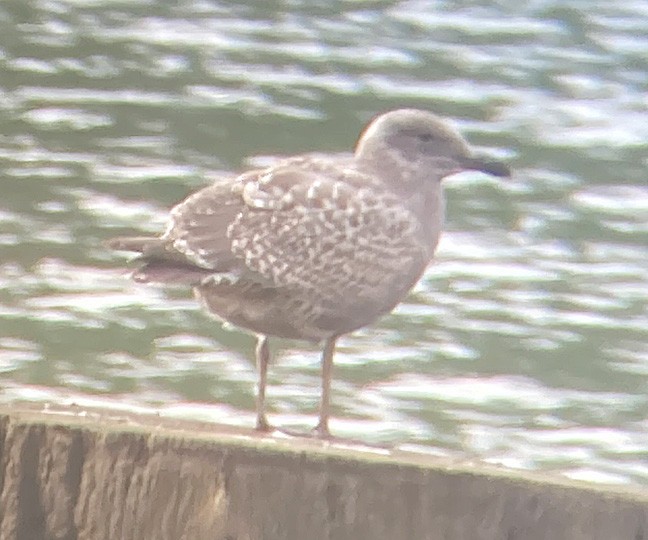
(526, 343)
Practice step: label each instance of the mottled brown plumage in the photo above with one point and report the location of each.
(314, 246)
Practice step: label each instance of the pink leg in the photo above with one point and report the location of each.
(322, 430)
(262, 361)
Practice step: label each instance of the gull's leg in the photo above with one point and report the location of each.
(262, 360)
(322, 430)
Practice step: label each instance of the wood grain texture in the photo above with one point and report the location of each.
(101, 476)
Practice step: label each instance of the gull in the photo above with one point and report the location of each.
(314, 246)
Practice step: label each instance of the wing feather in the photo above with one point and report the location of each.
(316, 230)
(307, 224)
(197, 231)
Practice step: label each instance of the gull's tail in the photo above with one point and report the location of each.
(157, 265)
(137, 244)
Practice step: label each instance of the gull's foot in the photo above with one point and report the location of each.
(263, 425)
(321, 431)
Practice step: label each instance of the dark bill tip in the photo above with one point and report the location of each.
(488, 166)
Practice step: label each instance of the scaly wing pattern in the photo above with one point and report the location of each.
(307, 225)
(328, 231)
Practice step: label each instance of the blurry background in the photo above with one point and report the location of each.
(526, 344)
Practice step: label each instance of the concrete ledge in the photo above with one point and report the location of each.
(74, 475)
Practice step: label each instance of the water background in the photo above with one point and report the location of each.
(526, 344)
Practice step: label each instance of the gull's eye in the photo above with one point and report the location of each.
(425, 137)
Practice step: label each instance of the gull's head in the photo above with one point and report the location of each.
(420, 140)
